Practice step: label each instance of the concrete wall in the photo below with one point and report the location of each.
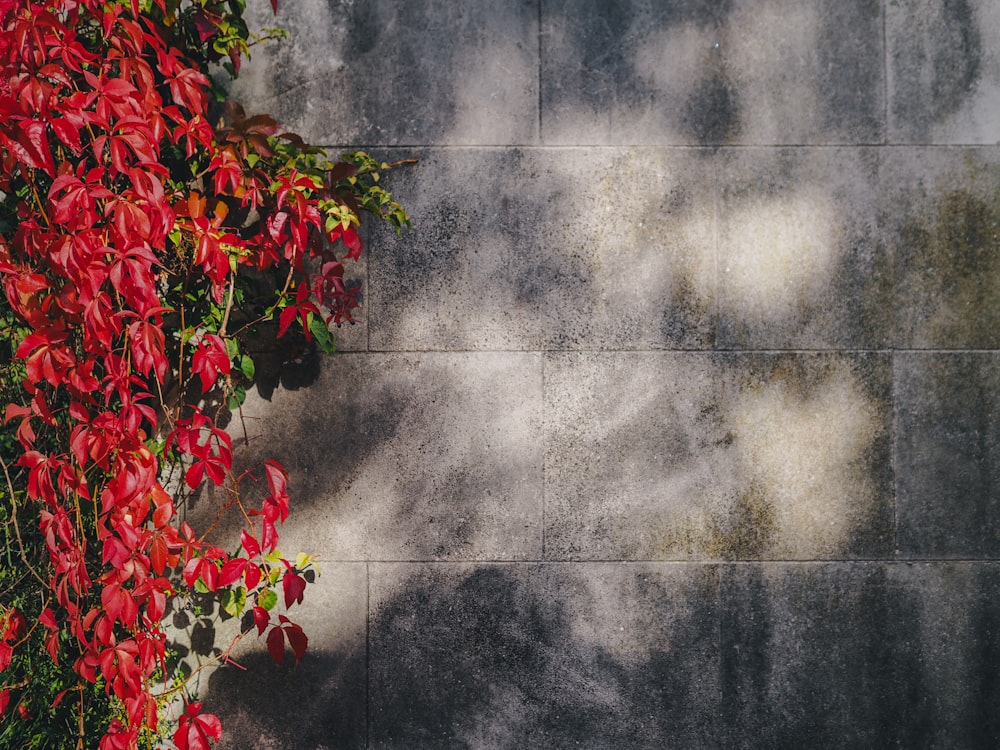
(675, 421)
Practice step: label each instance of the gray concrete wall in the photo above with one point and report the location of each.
(675, 420)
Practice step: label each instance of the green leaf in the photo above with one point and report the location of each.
(247, 367)
(267, 599)
(237, 397)
(317, 326)
(234, 600)
(301, 560)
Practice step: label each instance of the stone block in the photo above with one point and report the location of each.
(391, 457)
(941, 224)
(948, 454)
(859, 655)
(658, 456)
(702, 72)
(514, 656)
(801, 264)
(398, 72)
(943, 71)
(540, 249)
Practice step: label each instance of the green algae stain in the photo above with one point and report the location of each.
(747, 533)
(950, 273)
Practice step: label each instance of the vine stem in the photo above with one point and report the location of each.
(229, 304)
(17, 528)
(270, 312)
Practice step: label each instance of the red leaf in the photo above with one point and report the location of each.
(252, 576)
(250, 544)
(261, 619)
(294, 587)
(286, 318)
(30, 135)
(194, 730)
(232, 571)
(210, 359)
(353, 243)
(276, 644)
(296, 639)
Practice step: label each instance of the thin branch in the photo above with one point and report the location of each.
(229, 304)
(17, 528)
(270, 312)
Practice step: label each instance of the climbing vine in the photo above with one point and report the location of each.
(147, 231)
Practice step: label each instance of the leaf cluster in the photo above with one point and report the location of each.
(145, 236)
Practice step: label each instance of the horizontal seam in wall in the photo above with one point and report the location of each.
(817, 561)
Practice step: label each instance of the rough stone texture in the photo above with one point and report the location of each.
(941, 219)
(860, 655)
(948, 454)
(543, 656)
(704, 72)
(671, 424)
(397, 457)
(399, 71)
(800, 262)
(563, 249)
(943, 71)
(697, 456)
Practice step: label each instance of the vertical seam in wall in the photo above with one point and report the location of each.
(716, 184)
(368, 674)
(885, 73)
(720, 719)
(894, 439)
(538, 121)
(544, 441)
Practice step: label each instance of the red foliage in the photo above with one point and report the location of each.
(99, 104)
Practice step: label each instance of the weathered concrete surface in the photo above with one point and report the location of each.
(697, 456)
(948, 454)
(672, 423)
(551, 249)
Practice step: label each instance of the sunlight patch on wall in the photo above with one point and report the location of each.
(807, 452)
(783, 252)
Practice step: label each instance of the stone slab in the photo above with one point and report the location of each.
(548, 249)
(321, 702)
(941, 224)
(801, 264)
(398, 72)
(860, 655)
(660, 456)
(702, 72)
(515, 656)
(943, 71)
(393, 457)
(948, 454)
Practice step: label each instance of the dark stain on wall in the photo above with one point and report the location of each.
(712, 111)
(490, 659)
(937, 65)
(949, 439)
(948, 261)
(821, 657)
(850, 70)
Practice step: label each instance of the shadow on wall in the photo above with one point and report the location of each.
(437, 456)
(643, 656)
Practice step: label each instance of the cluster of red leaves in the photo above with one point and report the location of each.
(97, 100)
